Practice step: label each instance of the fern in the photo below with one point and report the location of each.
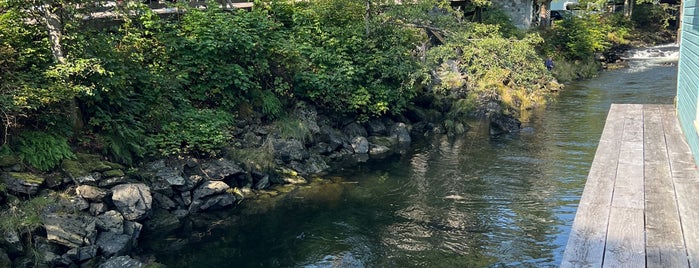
(42, 150)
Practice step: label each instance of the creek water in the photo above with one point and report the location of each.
(468, 201)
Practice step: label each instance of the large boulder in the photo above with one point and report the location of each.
(360, 145)
(111, 221)
(87, 169)
(376, 127)
(289, 150)
(22, 183)
(400, 131)
(353, 130)
(219, 169)
(133, 230)
(215, 202)
(70, 230)
(121, 262)
(210, 188)
(90, 193)
(114, 244)
(163, 201)
(133, 200)
(500, 124)
(169, 172)
(212, 195)
(333, 137)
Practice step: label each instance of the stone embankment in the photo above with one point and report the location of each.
(92, 212)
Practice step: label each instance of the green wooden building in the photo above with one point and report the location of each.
(688, 76)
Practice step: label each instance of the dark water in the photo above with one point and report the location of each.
(471, 201)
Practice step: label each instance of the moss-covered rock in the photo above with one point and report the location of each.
(8, 161)
(113, 173)
(23, 183)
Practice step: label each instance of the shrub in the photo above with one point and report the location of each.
(204, 132)
(43, 151)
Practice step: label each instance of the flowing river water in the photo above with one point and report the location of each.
(469, 201)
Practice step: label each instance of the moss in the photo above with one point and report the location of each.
(113, 173)
(8, 160)
(91, 162)
(73, 168)
(27, 177)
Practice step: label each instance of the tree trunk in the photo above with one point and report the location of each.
(628, 8)
(54, 26)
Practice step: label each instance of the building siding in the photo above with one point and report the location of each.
(688, 75)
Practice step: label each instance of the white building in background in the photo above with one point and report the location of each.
(563, 4)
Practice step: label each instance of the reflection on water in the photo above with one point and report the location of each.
(471, 201)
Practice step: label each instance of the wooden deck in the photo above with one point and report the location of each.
(640, 206)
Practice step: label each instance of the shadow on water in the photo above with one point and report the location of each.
(471, 201)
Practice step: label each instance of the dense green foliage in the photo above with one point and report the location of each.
(579, 37)
(151, 85)
(43, 151)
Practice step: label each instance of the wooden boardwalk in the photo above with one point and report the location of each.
(640, 206)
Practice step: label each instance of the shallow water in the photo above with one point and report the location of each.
(470, 201)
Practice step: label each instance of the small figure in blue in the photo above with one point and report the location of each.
(549, 63)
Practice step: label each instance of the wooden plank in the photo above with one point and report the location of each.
(625, 244)
(586, 242)
(664, 241)
(685, 177)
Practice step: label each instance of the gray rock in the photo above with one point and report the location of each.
(333, 137)
(162, 221)
(308, 116)
(9, 240)
(91, 193)
(133, 200)
(401, 132)
(81, 254)
(163, 201)
(209, 188)
(219, 169)
(97, 208)
(289, 150)
(46, 250)
(75, 203)
(111, 221)
(169, 172)
(378, 149)
(376, 127)
(216, 202)
(360, 145)
(500, 124)
(186, 198)
(109, 182)
(113, 244)
(354, 130)
(121, 262)
(4, 259)
(70, 230)
(22, 183)
(133, 230)
(262, 183)
(191, 182)
(79, 173)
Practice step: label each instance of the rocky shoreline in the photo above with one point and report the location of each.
(92, 212)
